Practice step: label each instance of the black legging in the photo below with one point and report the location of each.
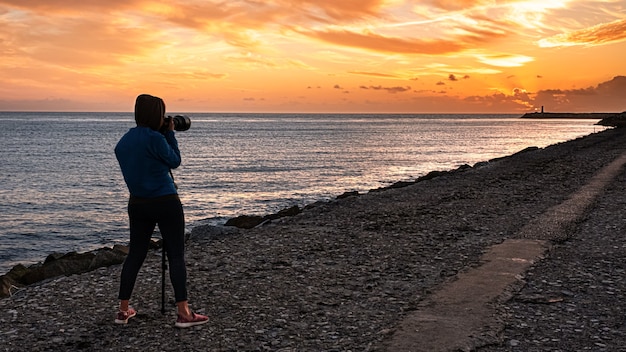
(144, 215)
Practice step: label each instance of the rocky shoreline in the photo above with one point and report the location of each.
(71, 263)
(341, 275)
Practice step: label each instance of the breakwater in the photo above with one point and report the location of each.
(569, 115)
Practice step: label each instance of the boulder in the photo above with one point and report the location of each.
(58, 264)
(245, 221)
(10, 282)
(617, 121)
(348, 194)
(291, 211)
(251, 221)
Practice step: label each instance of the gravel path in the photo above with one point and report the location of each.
(574, 300)
(342, 275)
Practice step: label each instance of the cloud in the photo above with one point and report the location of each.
(337, 10)
(607, 96)
(57, 104)
(504, 60)
(375, 74)
(376, 42)
(76, 41)
(70, 6)
(455, 5)
(392, 90)
(604, 33)
(454, 78)
(195, 75)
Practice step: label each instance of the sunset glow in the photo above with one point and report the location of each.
(434, 56)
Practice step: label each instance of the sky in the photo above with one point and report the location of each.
(314, 56)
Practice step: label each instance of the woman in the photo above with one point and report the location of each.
(146, 157)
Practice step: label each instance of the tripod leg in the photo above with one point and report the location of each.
(163, 267)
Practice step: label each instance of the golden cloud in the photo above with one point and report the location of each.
(604, 33)
(376, 42)
(374, 74)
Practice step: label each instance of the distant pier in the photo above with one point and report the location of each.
(569, 115)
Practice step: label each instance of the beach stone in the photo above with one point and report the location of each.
(252, 221)
(291, 211)
(70, 263)
(59, 264)
(245, 221)
(12, 280)
(348, 194)
(207, 233)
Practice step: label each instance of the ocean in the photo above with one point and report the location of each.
(62, 190)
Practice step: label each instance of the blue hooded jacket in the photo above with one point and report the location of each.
(146, 157)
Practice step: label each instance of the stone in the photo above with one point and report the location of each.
(348, 194)
(58, 264)
(245, 221)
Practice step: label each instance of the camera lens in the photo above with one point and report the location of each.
(181, 122)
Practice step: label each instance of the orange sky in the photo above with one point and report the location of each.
(442, 56)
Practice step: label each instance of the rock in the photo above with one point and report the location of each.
(348, 194)
(401, 184)
(107, 257)
(291, 211)
(618, 121)
(52, 257)
(58, 264)
(11, 280)
(431, 175)
(245, 221)
(251, 221)
(70, 263)
(211, 232)
(120, 248)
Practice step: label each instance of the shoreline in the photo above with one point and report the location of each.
(58, 264)
(345, 274)
(30, 238)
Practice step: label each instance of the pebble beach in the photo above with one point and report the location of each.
(343, 275)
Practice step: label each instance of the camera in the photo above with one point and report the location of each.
(181, 123)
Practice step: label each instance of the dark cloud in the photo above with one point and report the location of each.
(605, 97)
(454, 78)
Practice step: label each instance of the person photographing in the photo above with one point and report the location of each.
(146, 154)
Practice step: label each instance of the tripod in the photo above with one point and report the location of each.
(163, 267)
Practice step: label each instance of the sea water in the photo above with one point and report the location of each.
(61, 188)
